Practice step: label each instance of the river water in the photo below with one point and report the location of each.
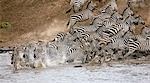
(117, 73)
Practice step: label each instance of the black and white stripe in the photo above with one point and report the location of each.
(110, 7)
(60, 37)
(81, 16)
(77, 5)
(127, 12)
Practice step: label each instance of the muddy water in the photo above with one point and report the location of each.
(117, 73)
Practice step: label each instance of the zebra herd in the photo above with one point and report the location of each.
(109, 36)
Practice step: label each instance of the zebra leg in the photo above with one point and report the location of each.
(129, 52)
(71, 7)
(71, 23)
(12, 59)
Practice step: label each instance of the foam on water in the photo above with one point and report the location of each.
(118, 73)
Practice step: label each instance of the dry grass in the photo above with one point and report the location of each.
(32, 20)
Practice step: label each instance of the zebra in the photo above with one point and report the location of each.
(110, 7)
(127, 12)
(64, 37)
(75, 55)
(106, 23)
(81, 16)
(60, 37)
(146, 32)
(80, 33)
(119, 44)
(30, 53)
(88, 28)
(139, 45)
(42, 59)
(77, 5)
(18, 58)
(121, 28)
(116, 17)
(139, 20)
(101, 19)
(136, 3)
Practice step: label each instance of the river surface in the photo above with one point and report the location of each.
(118, 73)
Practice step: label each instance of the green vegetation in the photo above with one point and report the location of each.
(5, 25)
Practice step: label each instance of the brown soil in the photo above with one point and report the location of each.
(34, 20)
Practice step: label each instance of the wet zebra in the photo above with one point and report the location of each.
(77, 5)
(75, 55)
(18, 58)
(81, 16)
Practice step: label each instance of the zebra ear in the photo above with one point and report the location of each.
(53, 40)
(128, 4)
(88, 4)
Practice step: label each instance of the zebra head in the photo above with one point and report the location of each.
(127, 12)
(116, 16)
(131, 20)
(146, 32)
(139, 20)
(91, 5)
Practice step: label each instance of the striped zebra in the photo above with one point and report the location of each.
(60, 37)
(110, 7)
(116, 17)
(127, 12)
(80, 34)
(30, 52)
(19, 59)
(139, 45)
(75, 55)
(121, 28)
(88, 28)
(64, 37)
(142, 42)
(101, 19)
(81, 16)
(139, 20)
(45, 53)
(77, 5)
(117, 43)
(146, 32)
